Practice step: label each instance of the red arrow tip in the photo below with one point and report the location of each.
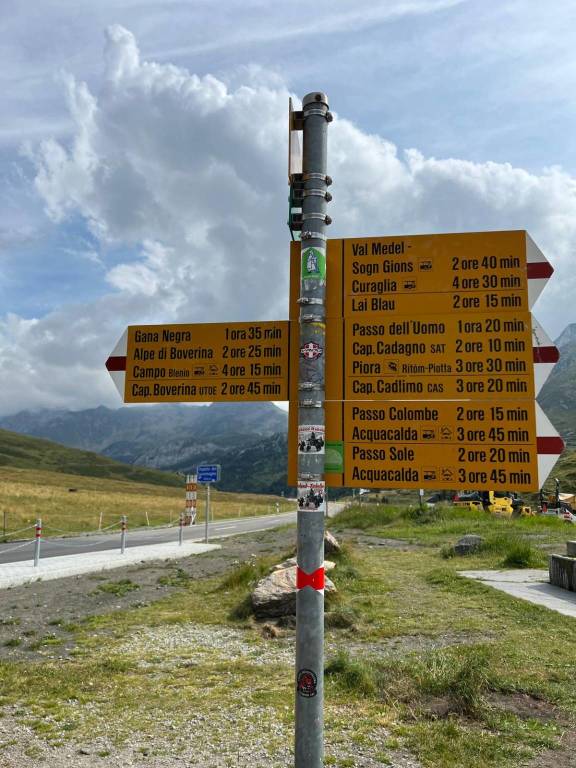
(550, 445)
(539, 270)
(546, 354)
(116, 363)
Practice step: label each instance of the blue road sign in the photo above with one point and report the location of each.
(208, 473)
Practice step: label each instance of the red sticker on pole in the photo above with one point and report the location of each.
(314, 579)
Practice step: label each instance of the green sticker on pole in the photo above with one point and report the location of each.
(334, 458)
(313, 264)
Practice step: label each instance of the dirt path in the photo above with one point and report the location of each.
(34, 617)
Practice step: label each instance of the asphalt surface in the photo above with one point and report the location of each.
(76, 545)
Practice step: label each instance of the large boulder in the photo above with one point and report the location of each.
(275, 595)
(468, 544)
(331, 544)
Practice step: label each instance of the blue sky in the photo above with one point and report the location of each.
(143, 156)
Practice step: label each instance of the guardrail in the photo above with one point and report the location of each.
(39, 541)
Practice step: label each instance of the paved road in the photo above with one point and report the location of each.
(143, 536)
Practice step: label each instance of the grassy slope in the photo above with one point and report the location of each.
(24, 452)
(27, 494)
(36, 475)
(430, 661)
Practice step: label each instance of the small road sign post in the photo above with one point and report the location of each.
(207, 474)
(309, 737)
(37, 541)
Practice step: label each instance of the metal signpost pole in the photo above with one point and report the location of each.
(207, 512)
(309, 742)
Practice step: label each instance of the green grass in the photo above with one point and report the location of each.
(427, 651)
(118, 588)
(523, 554)
(179, 578)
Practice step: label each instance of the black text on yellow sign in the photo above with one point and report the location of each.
(479, 356)
(207, 362)
(440, 422)
(480, 430)
(440, 445)
(435, 274)
(401, 465)
(424, 274)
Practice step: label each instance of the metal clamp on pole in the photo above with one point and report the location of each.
(37, 540)
(307, 235)
(309, 300)
(309, 386)
(309, 682)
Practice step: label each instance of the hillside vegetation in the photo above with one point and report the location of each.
(74, 490)
(24, 452)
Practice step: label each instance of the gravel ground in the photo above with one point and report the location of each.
(245, 735)
(259, 742)
(43, 609)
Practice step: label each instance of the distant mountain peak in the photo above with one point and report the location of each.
(567, 336)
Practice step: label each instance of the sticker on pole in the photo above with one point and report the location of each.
(311, 350)
(312, 496)
(313, 264)
(311, 438)
(307, 683)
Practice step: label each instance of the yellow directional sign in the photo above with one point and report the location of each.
(457, 273)
(440, 422)
(430, 274)
(207, 362)
(402, 465)
(479, 356)
(433, 426)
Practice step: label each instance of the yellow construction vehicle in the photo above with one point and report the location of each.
(502, 503)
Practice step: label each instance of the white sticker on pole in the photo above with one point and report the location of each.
(311, 438)
(312, 496)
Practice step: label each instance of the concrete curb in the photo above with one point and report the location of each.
(528, 584)
(16, 574)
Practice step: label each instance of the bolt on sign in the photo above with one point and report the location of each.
(202, 362)
(441, 323)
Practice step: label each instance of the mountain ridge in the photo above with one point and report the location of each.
(247, 439)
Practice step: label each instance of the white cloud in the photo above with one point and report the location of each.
(192, 174)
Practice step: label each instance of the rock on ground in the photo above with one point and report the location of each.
(275, 595)
(331, 544)
(468, 544)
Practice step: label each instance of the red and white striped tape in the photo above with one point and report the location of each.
(549, 444)
(545, 355)
(539, 270)
(191, 496)
(116, 363)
